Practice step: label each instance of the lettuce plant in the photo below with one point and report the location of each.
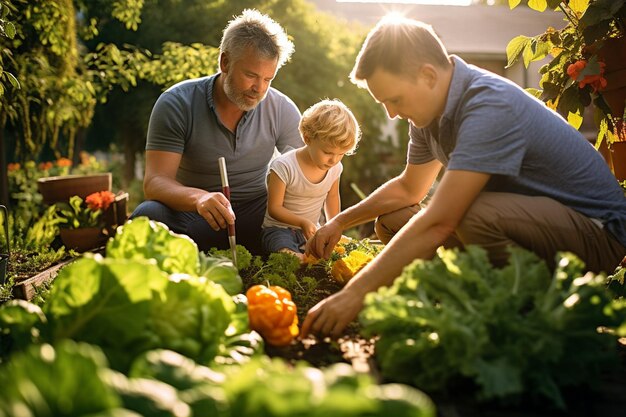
(512, 331)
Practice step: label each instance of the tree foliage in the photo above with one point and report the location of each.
(61, 82)
(98, 66)
(179, 32)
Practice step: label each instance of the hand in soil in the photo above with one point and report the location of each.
(331, 315)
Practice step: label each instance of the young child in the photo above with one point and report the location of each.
(302, 181)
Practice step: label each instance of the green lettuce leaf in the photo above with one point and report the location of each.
(64, 380)
(142, 238)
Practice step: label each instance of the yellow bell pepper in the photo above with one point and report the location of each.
(345, 268)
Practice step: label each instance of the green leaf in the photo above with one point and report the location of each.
(106, 302)
(221, 271)
(9, 30)
(539, 5)
(21, 323)
(602, 133)
(601, 10)
(517, 330)
(575, 119)
(191, 318)
(542, 49)
(142, 238)
(14, 81)
(61, 380)
(578, 6)
(515, 48)
(535, 92)
(528, 54)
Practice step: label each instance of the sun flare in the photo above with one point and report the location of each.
(432, 2)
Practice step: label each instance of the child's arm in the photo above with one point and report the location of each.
(276, 209)
(332, 205)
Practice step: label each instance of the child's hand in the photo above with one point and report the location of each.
(308, 229)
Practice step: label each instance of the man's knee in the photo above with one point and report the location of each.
(159, 212)
(388, 224)
(154, 210)
(382, 230)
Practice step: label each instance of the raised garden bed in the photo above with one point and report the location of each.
(26, 289)
(602, 399)
(605, 399)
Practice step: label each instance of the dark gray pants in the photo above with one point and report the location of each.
(247, 225)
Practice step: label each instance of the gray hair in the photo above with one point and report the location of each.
(259, 31)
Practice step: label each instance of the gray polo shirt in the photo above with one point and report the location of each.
(184, 121)
(493, 126)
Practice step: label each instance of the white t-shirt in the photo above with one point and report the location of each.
(302, 197)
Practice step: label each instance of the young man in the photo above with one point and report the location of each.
(233, 114)
(516, 172)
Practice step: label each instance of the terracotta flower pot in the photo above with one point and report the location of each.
(83, 239)
(61, 188)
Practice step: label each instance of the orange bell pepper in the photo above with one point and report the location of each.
(273, 314)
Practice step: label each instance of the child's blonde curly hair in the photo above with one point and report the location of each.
(332, 122)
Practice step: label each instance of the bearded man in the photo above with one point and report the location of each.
(234, 114)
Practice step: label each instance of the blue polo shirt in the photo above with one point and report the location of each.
(184, 120)
(493, 126)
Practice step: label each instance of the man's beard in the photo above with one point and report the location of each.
(238, 97)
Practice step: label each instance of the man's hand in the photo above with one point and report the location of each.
(331, 315)
(216, 210)
(321, 245)
(308, 229)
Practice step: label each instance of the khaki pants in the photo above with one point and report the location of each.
(499, 220)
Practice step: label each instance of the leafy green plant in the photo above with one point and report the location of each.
(245, 260)
(79, 213)
(7, 29)
(72, 378)
(617, 281)
(32, 249)
(575, 75)
(144, 239)
(511, 331)
(40, 367)
(272, 388)
(20, 324)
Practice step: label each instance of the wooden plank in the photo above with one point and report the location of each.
(26, 289)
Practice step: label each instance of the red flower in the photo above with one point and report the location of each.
(13, 166)
(64, 162)
(596, 81)
(574, 70)
(100, 200)
(44, 166)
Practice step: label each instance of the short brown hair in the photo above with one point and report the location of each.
(399, 46)
(332, 122)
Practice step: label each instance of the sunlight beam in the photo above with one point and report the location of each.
(426, 2)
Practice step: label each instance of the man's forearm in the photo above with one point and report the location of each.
(172, 193)
(417, 240)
